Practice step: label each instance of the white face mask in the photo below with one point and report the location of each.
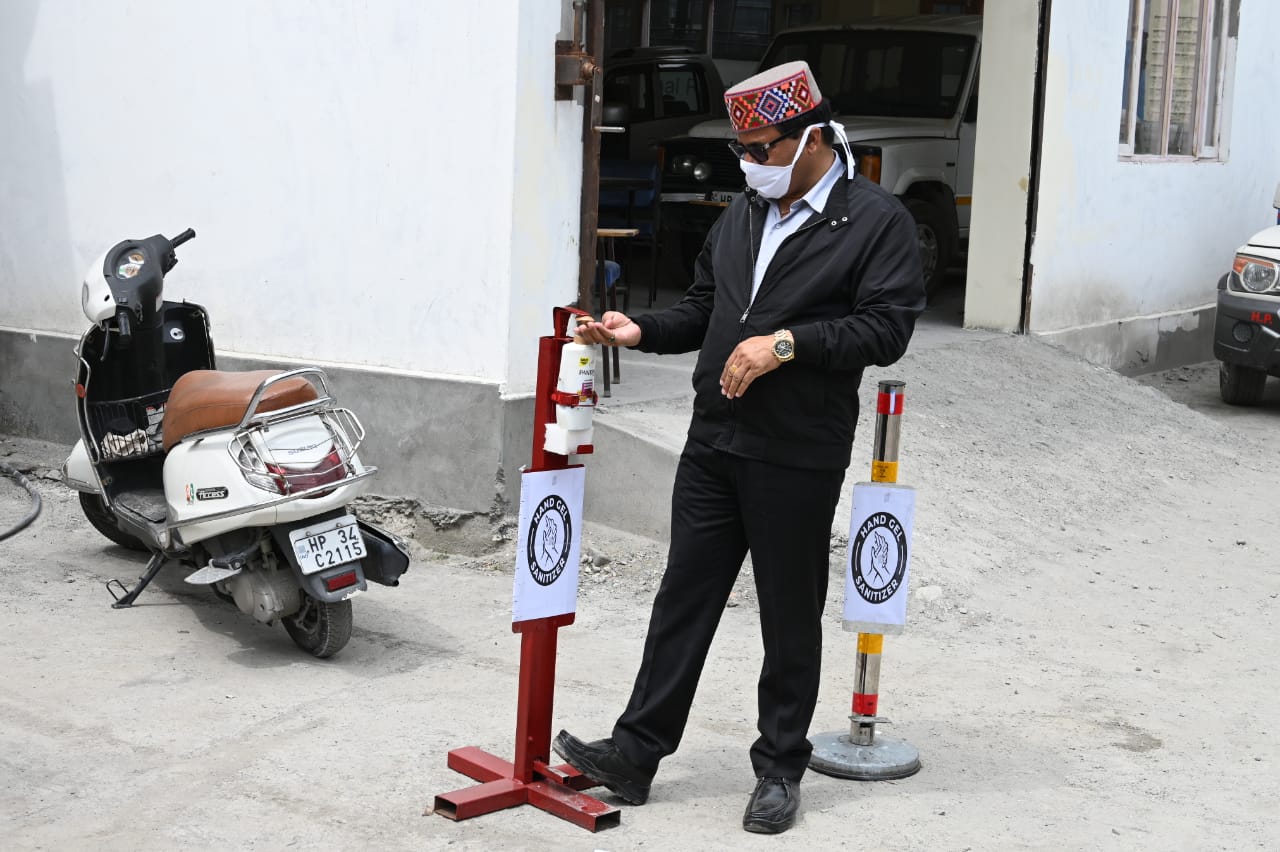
(773, 181)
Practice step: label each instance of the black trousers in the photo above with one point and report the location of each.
(723, 506)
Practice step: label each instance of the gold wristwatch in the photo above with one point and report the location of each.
(784, 347)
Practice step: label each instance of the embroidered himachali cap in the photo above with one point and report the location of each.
(772, 96)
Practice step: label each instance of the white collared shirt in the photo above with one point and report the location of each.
(778, 227)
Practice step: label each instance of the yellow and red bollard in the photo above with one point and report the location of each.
(861, 754)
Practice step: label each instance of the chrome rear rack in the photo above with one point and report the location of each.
(313, 374)
(252, 453)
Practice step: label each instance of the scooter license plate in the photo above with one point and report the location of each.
(336, 541)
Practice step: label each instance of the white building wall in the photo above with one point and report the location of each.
(351, 169)
(1126, 241)
(1002, 165)
(543, 221)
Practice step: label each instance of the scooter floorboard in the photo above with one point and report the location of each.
(148, 503)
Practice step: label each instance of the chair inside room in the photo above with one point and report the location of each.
(629, 199)
(609, 282)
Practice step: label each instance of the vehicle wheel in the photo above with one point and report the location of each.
(321, 629)
(1240, 385)
(95, 509)
(936, 243)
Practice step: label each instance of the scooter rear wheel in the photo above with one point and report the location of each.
(321, 629)
(95, 509)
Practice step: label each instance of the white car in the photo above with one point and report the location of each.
(1246, 334)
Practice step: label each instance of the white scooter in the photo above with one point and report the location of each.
(244, 477)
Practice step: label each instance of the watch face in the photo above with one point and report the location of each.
(783, 349)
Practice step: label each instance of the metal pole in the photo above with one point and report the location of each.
(708, 26)
(589, 208)
(866, 689)
(884, 468)
(860, 754)
(529, 779)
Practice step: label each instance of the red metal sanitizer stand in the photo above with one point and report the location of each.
(529, 779)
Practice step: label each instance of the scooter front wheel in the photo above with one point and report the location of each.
(95, 509)
(321, 629)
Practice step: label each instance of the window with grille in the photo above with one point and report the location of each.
(1176, 82)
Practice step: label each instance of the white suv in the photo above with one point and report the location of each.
(906, 90)
(1246, 333)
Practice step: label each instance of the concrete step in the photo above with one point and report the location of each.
(641, 427)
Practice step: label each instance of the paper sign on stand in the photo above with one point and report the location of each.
(548, 545)
(878, 566)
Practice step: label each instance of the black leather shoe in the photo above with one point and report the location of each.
(602, 762)
(773, 806)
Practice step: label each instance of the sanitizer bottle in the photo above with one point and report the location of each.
(572, 432)
(577, 379)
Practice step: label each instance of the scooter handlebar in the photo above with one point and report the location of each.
(188, 234)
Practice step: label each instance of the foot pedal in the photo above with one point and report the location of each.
(210, 574)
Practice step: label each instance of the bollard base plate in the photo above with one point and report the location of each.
(886, 759)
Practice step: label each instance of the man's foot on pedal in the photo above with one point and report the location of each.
(602, 762)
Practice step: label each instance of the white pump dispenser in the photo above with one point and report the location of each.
(572, 428)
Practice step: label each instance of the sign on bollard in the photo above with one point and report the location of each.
(878, 566)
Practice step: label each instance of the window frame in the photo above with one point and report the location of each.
(699, 75)
(857, 42)
(1203, 150)
(645, 71)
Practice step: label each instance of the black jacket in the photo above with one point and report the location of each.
(848, 285)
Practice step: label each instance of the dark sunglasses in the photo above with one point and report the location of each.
(759, 151)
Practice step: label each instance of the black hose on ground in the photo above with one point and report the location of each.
(18, 477)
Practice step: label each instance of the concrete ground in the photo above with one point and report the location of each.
(1088, 664)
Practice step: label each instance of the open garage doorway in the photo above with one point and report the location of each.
(928, 158)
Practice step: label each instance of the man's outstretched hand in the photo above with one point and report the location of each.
(613, 329)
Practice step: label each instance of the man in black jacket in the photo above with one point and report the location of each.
(808, 277)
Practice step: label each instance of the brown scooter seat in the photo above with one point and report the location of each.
(214, 399)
